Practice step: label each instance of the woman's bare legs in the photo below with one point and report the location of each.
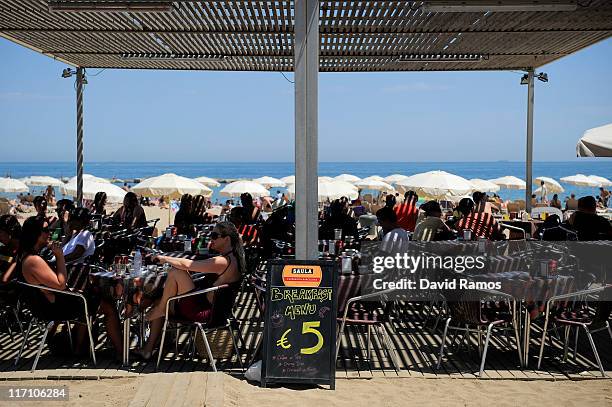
(113, 328)
(178, 282)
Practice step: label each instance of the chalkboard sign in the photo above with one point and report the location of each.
(300, 323)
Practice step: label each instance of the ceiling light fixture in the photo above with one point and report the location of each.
(499, 6)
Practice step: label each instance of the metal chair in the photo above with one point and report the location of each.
(481, 314)
(354, 312)
(226, 321)
(49, 323)
(573, 314)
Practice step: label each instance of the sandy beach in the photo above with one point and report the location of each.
(349, 392)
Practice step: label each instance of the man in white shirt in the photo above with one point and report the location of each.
(395, 239)
(81, 244)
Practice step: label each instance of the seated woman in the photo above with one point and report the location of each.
(10, 231)
(31, 268)
(81, 244)
(60, 226)
(482, 224)
(555, 202)
(130, 215)
(99, 203)
(183, 217)
(226, 268)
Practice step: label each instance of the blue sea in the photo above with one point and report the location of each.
(225, 170)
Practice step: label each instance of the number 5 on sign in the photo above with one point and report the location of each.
(309, 328)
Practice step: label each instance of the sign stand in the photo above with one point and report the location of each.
(300, 323)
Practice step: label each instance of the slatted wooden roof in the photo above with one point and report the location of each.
(258, 35)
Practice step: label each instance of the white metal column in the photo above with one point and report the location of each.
(529, 153)
(80, 76)
(306, 68)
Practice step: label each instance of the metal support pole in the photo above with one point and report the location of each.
(529, 157)
(80, 75)
(306, 68)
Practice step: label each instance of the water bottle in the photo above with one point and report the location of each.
(137, 264)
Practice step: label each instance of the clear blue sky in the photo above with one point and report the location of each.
(243, 116)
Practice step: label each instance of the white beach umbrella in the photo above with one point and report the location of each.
(12, 185)
(289, 179)
(437, 184)
(395, 178)
(41, 180)
(374, 185)
(170, 185)
(580, 180)
(209, 182)
(602, 181)
(327, 179)
(237, 188)
(509, 182)
(482, 185)
(552, 186)
(270, 182)
(347, 178)
(90, 177)
(91, 187)
(596, 142)
(330, 190)
(375, 177)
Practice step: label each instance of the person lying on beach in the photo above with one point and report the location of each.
(226, 268)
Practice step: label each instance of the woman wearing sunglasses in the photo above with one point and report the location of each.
(33, 269)
(226, 268)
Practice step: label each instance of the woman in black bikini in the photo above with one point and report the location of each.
(33, 269)
(226, 268)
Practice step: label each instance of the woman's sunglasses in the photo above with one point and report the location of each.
(215, 235)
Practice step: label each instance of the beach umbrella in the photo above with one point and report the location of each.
(170, 185)
(42, 181)
(375, 177)
(89, 177)
(209, 182)
(373, 184)
(330, 190)
(580, 180)
(327, 179)
(596, 142)
(347, 178)
(91, 187)
(237, 188)
(509, 182)
(289, 179)
(12, 185)
(270, 182)
(552, 186)
(602, 181)
(437, 184)
(482, 185)
(395, 178)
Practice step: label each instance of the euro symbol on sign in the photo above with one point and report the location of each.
(283, 342)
